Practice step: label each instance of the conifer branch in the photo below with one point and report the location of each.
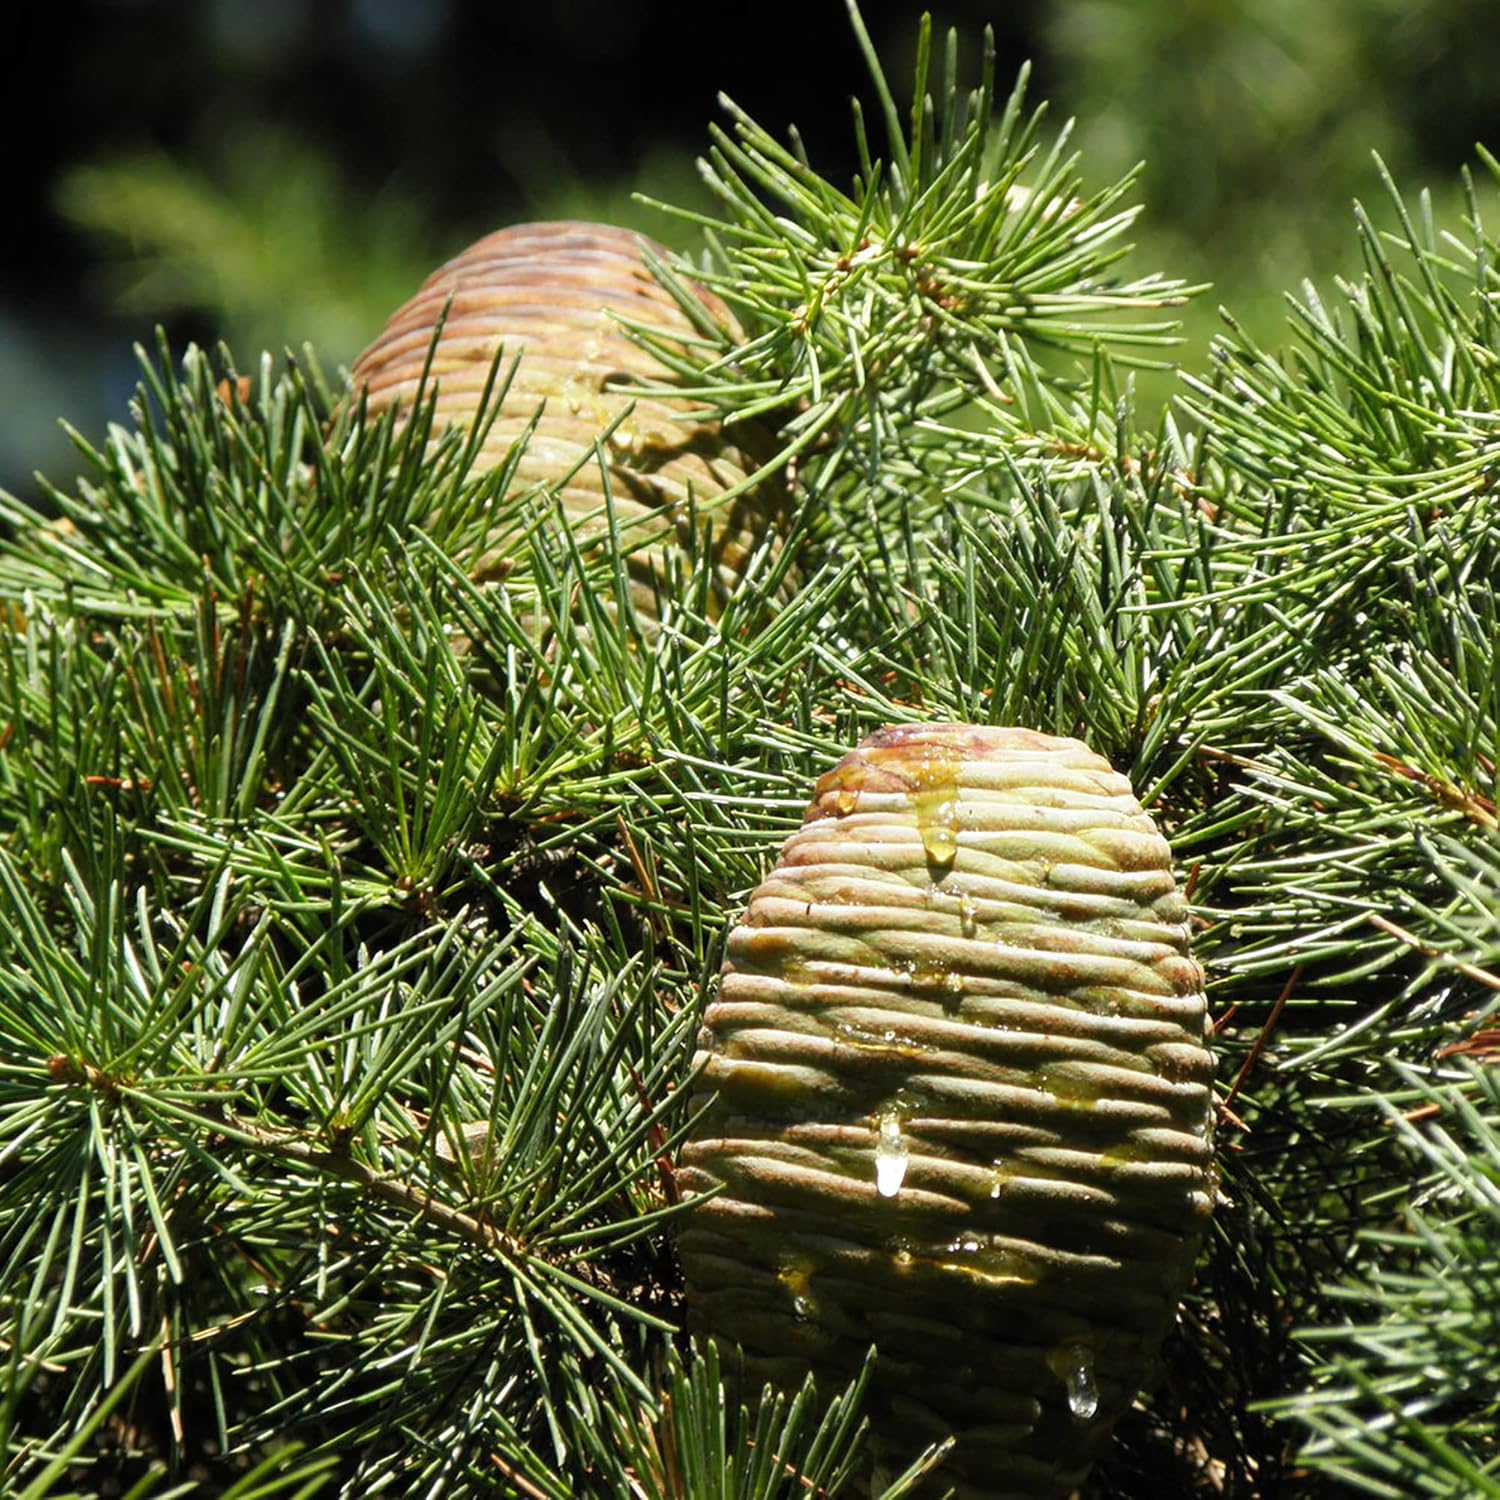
(353, 812)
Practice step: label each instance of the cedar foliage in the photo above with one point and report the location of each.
(355, 915)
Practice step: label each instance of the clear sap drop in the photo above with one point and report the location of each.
(999, 1176)
(891, 1156)
(934, 779)
(939, 841)
(968, 915)
(796, 1275)
(1083, 1390)
(846, 801)
(941, 979)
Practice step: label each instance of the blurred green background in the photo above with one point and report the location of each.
(288, 170)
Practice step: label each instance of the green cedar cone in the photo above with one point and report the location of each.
(555, 294)
(962, 1103)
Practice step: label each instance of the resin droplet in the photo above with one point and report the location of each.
(796, 1275)
(968, 915)
(891, 1156)
(940, 843)
(846, 802)
(1083, 1391)
(933, 773)
(941, 981)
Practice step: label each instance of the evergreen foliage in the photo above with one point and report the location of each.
(267, 232)
(355, 915)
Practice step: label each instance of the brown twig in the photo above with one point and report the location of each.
(657, 902)
(1475, 808)
(657, 1135)
(520, 1481)
(1263, 1038)
(1479, 976)
(1225, 1019)
(169, 1383)
(817, 1491)
(1483, 1044)
(378, 1185)
(1422, 1112)
(642, 871)
(1207, 752)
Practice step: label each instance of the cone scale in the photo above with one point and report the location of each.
(960, 1104)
